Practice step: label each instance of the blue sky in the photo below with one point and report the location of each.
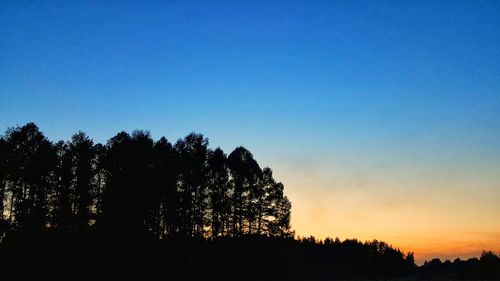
(386, 97)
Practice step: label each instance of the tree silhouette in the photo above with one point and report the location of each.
(31, 162)
(82, 153)
(133, 186)
(191, 184)
(62, 214)
(219, 192)
(131, 207)
(3, 184)
(244, 173)
(165, 182)
(129, 164)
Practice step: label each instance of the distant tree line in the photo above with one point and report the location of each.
(134, 185)
(487, 266)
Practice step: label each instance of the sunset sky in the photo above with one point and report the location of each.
(382, 118)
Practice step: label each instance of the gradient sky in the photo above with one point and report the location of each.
(382, 119)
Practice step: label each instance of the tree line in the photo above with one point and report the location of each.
(139, 209)
(486, 267)
(133, 185)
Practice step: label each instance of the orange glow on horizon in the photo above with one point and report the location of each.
(446, 215)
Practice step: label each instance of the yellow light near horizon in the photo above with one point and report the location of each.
(432, 218)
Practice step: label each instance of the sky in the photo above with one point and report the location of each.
(380, 117)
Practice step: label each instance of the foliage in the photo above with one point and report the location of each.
(139, 209)
(135, 186)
